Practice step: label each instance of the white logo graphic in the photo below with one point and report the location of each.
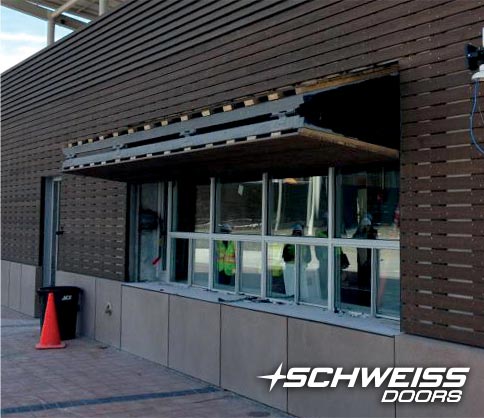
(404, 384)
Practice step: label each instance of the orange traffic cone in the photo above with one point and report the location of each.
(50, 336)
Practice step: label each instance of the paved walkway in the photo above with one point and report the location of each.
(88, 379)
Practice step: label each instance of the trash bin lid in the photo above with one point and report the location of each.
(59, 289)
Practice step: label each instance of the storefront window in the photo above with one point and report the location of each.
(313, 274)
(201, 261)
(353, 278)
(299, 203)
(251, 268)
(287, 257)
(388, 282)
(192, 207)
(239, 207)
(368, 205)
(225, 264)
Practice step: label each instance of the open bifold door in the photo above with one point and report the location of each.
(265, 136)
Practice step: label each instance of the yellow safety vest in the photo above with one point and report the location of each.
(275, 258)
(226, 257)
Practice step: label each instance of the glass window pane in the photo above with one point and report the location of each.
(239, 207)
(313, 273)
(225, 265)
(388, 296)
(281, 274)
(191, 209)
(180, 259)
(251, 268)
(149, 234)
(367, 205)
(353, 278)
(299, 202)
(201, 259)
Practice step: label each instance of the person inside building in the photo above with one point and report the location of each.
(226, 258)
(289, 257)
(365, 230)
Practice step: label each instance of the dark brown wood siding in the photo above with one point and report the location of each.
(152, 59)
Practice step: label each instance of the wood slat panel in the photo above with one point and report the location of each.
(155, 59)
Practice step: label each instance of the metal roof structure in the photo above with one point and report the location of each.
(79, 12)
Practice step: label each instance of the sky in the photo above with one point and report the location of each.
(21, 36)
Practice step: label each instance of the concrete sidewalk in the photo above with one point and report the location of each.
(88, 379)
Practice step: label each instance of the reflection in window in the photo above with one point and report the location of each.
(225, 264)
(149, 221)
(191, 207)
(353, 278)
(201, 258)
(367, 205)
(251, 268)
(388, 282)
(239, 207)
(313, 274)
(281, 274)
(180, 259)
(299, 201)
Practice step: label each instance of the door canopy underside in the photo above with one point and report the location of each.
(294, 131)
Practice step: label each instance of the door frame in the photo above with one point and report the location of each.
(51, 229)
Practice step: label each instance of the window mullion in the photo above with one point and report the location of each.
(264, 233)
(331, 233)
(211, 242)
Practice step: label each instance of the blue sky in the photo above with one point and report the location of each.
(21, 36)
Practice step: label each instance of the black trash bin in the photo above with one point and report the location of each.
(67, 305)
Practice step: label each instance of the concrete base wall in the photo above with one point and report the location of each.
(144, 324)
(194, 340)
(230, 346)
(253, 344)
(19, 287)
(424, 352)
(318, 345)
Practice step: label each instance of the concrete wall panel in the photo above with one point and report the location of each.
(318, 345)
(144, 324)
(253, 344)
(414, 351)
(14, 288)
(108, 312)
(195, 338)
(29, 283)
(87, 314)
(5, 281)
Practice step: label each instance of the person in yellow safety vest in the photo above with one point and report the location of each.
(226, 258)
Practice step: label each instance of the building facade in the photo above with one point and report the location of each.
(236, 184)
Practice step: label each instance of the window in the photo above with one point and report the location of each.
(330, 240)
(313, 274)
(239, 207)
(191, 207)
(388, 282)
(281, 270)
(367, 205)
(181, 259)
(353, 276)
(251, 268)
(148, 223)
(201, 262)
(299, 203)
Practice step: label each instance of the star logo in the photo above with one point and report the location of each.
(274, 377)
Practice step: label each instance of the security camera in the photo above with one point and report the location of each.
(479, 75)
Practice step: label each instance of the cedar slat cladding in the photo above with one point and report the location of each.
(93, 216)
(153, 60)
